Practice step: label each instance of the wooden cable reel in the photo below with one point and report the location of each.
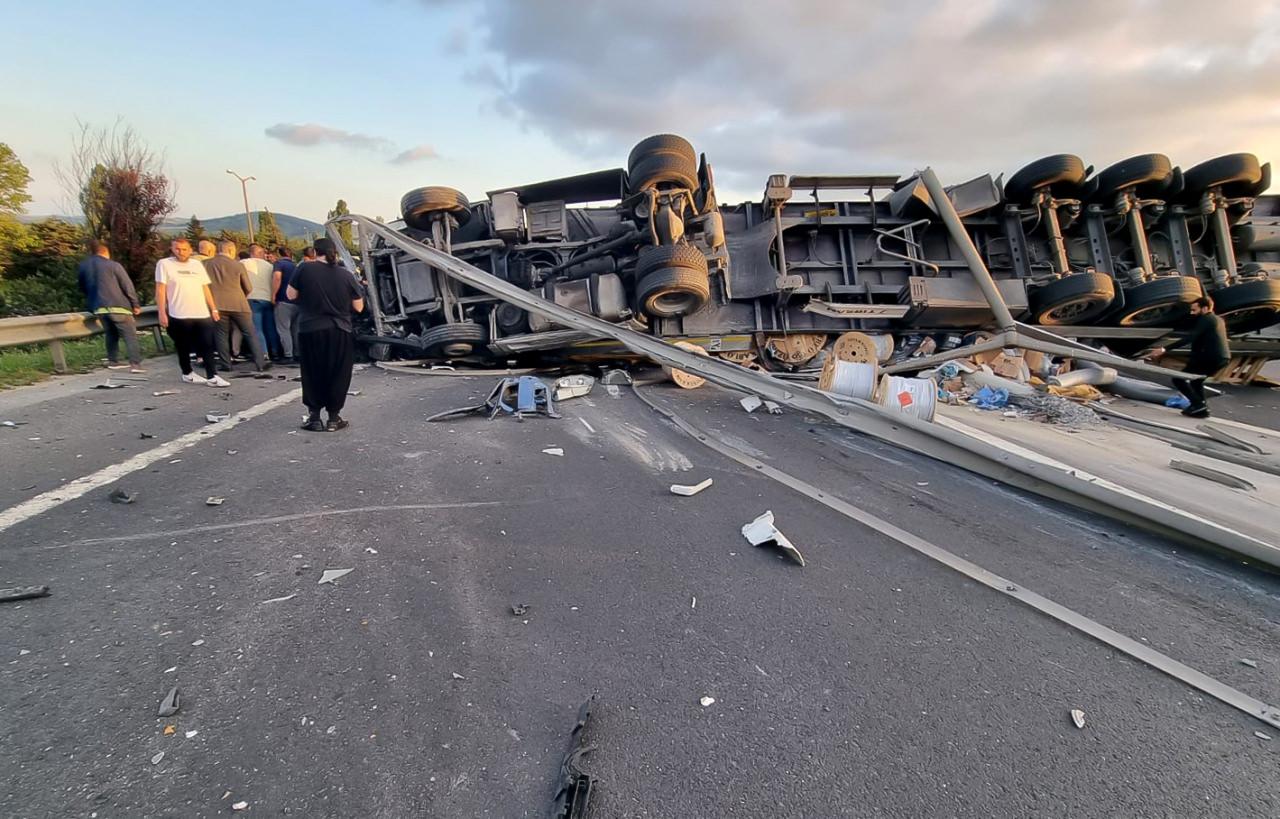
(858, 347)
(796, 348)
(687, 381)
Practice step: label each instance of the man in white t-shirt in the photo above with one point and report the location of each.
(185, 307)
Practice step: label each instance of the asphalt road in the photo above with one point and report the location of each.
(872, 682)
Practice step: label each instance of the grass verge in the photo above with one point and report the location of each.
(32, 363)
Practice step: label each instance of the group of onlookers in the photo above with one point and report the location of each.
(281, 311)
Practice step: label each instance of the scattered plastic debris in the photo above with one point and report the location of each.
(191, 734)
(145, 436)
(922, 483)
(772, 408)
(1265, 737)
(1248, 662)
(1077, 716)
(331, 729)
(989, 399)
(458, 676)
(331, 575)
(212, 501)
(751, 403)
(171, 669)
(586, 424)
(369, 550)
(573, 386)
(689, 491)
(171, 703)
(155, 760)
(520, 609)
(761, 531)
(281, 599)
(707, 701)
(24, 652)
(8, 423)
(554, 450)
(23, 593)
(240, 806)
(573, 797)
(121, 496)
(169, 730)
(693, 604)
(109, 385)
(164, 392)
(198, 643)
(353, 392)
(216, 417)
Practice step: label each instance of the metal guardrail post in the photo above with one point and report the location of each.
(54, 329)
(59, 356)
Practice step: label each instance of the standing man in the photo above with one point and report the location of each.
(205, 250)
(112, 298)
(186, 308)
(1210, 352)
(326, 296)
(286, 310)
(229, 282)
(264, 315)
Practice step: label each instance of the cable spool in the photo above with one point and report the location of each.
(852, 379)
(912, 396)
(884, 347)
(688, 381)
(856, 347)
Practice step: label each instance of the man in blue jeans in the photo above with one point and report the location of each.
(112, 298)
(260, 300)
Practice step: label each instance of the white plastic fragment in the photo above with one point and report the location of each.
(198, 643)
(190, 734)
(761, 531)
(1265, 737)
(689, 491)
(155, 760)
(162, 393)
(458, 676)
(24, 652)
(240, 806)
(751, 403)
(331, 575)
(171, 669)
(773, 408)
(706, 701)
(554, 450)
(212, 501)
(1077, 716)
(331, 729)
(1248, 662)
(281, 599)
(215, 417)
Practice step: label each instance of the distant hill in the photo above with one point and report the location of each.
(293, 227)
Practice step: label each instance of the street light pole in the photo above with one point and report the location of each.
(244, 189)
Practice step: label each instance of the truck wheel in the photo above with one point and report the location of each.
(1158, 302)
(665, 158)
(1236, 174)
(1059, 169)
(419, 204)
(1075, 299)
(454, 340)
(1249, 306)
(1149, 172)
(673, 280)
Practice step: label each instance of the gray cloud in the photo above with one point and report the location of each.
(415, 154)
(309, 135)
(966, 85)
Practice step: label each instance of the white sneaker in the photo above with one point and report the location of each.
(192, 378)
(217, 381)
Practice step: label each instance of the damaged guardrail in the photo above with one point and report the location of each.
(975, 453)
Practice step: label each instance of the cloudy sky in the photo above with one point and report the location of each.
(364, 100)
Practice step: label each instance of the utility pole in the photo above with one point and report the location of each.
(244, 189)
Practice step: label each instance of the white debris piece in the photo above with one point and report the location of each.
(706, 701)
(281, 599)
(198, 643)
(751, 403)
(772, 408)
(458, 676)
(370, 550)
(1077, 716)
(240, 806)
(214, 501)
(1262, 736)
(191, 734)
(1248, 662)
(216, 417)
(331, 575)
(554, 450)
(761, 531)
(689, 491)
(155, 760)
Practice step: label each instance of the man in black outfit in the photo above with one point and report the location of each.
(1210, 352)
(326, 295)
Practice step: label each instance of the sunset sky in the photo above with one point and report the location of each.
(322, 100)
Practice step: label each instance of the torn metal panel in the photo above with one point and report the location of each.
(954, 444)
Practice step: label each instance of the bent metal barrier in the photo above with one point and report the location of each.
(59, 327)
(1021, 468)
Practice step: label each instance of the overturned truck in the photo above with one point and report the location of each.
(649, 245)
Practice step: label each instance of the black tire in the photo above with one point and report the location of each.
(511, 319)
(419, 204)
(672, 292)
(454, 340)
(662, 159)
(379, 351)
(1249, 306)
(1159, 302)
(1236, 174)
(673, 280)
(1075, 299)
(1059, 169)
(1147, 172)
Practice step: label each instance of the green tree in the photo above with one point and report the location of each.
(40, 276)
(344, 229)
(14, 179)
(240, 238)
(195, 230)
(269, 234)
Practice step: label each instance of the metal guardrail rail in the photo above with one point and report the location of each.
(59, 327)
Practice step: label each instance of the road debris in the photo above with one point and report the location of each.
(212, 501)
(520, 609)
(281, 599)
(353, 392)
(587, 424)
(772, 408)
(1248, 662)
(707, 701)
(216, 417)
(8, 423)
(110, 385)
(155, 760)
(1262, 735)
(191, 734)
(169, 730)
(761, 531)
(161, 393)
(23, 593)
(573, 386)
(369, 550)
(693, 603)
(145, 436)
(689, 491)
(1210, 474)
(331, 575)
(240, 806)
(458, 676)
(171, 703)
(554, 450)
(198, 643)
(574, 794)
(1077, 716)
(751, 403)
(122, 496)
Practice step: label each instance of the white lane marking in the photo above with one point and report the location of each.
(81, 486)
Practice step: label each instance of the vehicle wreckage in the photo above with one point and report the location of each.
(1116, 255)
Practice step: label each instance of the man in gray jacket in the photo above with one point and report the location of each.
(113, 299)
(229, 283)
